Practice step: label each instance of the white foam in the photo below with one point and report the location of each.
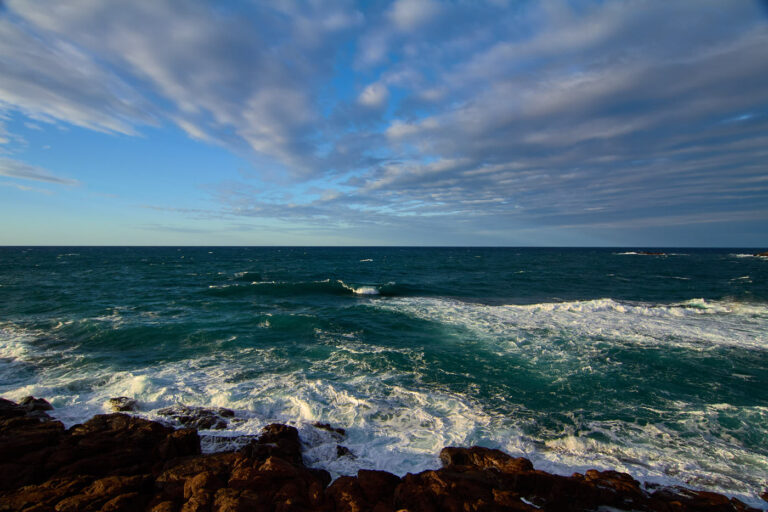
(748, 255)
(696, 323)
(397, 424)
(360, 290)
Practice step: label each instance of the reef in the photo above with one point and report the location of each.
(118, 462)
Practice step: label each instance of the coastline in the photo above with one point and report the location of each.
(117, 462)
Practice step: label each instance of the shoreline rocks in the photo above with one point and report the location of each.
(116, 462)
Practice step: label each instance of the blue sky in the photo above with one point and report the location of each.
(406, 122)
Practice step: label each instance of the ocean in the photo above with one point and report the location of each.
(656, 365)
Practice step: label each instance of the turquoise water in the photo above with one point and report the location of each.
(575, 358)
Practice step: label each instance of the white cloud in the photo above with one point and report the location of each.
(409, 15)
(374, 96)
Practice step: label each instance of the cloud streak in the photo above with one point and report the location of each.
(16, 169)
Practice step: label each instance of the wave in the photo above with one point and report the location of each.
(397, 422)
(298, 288)
(695, 323)
(247, 276)
(401, 429)
(749, 255)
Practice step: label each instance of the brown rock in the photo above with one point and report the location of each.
(205, 481)
(346, 495)
(164, 506)
(122, 404)
(377, 486)
(230, 500)
(179, 443)
(276, 440)
(484, 458)
(128, 502)
(197, 417)
(31, 403)
(200, 501)
(46, 494)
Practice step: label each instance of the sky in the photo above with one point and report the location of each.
(634, 123)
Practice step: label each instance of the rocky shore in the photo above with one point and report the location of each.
(117, 462)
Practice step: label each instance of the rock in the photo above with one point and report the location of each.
(47, 494)
(483, 458)
(122, 404)
(329, 428)
(206, 481)
(343, 451)
(198, 417)
(377, 486)
(276, 439)
(164, 506)
(31, 403)
(10, 409)
(762, 254)
(116, 462)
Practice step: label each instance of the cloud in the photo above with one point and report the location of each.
(219, 77)
(488, 116)
(374, 96)
(408, 15)
(16, 169)
(25, 188)
(49, 79)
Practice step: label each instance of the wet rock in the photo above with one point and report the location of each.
(122, 404)
(31, 403)
(276, 440)
(762, 254)
(116, 462)
(198, 417)
(343, 451)
(329, 428)
(10, 409)
(27, 439)
(483, 458)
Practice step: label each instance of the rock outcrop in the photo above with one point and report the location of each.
(198, 417)
(122, 404)
(116, 462)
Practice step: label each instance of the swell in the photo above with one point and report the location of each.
(328, 287)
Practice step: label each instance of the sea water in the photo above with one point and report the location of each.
(656, 365)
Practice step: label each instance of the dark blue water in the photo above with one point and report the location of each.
(652, 364)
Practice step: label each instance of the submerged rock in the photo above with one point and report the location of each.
(329, 428)
(198, 417)
(343, 451)
(122, 404)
